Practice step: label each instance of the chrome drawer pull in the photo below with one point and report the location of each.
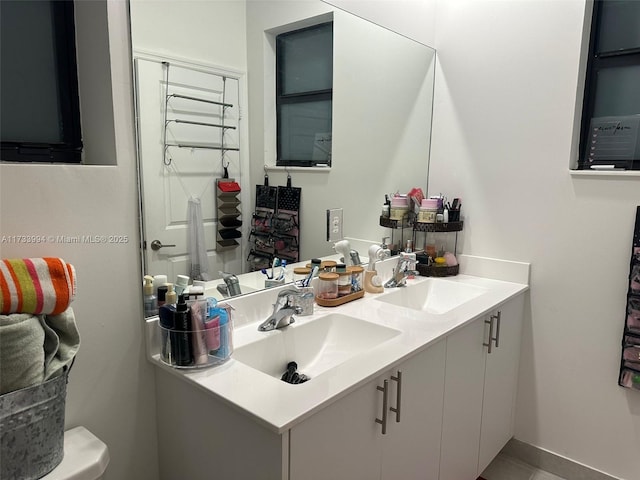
(396, 410)
(383, 422)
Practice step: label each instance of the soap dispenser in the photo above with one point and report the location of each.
(149, 299)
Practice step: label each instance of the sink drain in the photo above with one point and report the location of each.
(292, 376)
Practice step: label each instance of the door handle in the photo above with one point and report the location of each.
(157, 245)
(383, 421)
(491, 337)
(396, 410)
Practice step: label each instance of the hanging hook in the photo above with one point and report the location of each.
(225, 168)
(266, 177)
(288, 176)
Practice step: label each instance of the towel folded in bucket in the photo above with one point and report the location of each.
(35, 348)
(36, 285)
(61, 343)
(21, 351)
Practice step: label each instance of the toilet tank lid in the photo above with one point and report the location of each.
(85, 457)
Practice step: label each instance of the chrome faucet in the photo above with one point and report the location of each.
(400, 274)
(233, 286)
(283, 311)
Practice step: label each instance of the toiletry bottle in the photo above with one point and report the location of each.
(386, 253)
(171, 297)
(409, 246)
(182, 282)
(224, 350)
(168, 335)
(162, 295)
(182, 325)
(198, 310)
(150, 302)
(385, 212)
(212, 326)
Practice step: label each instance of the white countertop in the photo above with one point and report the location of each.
(278, 405)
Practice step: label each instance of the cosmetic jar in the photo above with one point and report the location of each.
(327, 285)
(344, 283)
(328, 265)
(428, 211)
(399, 207)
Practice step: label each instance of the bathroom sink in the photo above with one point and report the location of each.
(434, 295)
(316, 346)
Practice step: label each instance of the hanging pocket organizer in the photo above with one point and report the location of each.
(287, 223)
(275, 226)
(229, 212)
(630, 362)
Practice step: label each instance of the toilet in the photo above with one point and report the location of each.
(85, 457)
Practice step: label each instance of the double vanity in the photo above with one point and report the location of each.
(416, 382)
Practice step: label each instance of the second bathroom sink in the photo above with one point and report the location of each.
(433, 295)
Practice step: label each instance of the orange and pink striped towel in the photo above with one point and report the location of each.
(36, 285)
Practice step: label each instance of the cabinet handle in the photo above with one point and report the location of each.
(497, 317)
(383, 422)
(396, 410)
(491, 337)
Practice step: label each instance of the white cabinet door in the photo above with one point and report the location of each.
(480, 389)
(462, 413)
(500, 383)
(411, 447)
(342, 441)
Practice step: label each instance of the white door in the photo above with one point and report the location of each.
(501, 382)
(171, 175)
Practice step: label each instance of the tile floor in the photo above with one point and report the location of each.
(505, 467)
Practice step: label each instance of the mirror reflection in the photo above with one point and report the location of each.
(206, 124)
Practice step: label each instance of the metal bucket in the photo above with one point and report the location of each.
(32, 430)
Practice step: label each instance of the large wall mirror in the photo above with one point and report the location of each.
(224, 52)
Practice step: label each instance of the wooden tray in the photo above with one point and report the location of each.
(334, 302)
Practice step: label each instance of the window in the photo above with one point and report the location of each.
(304, 86)
(610, 134)
(40, 120)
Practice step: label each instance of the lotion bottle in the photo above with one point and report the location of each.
(149, 299)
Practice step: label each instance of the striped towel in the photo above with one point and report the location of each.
(36, 285)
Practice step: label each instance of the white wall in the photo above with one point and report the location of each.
(111, 387)
(505, 100)
(415, 19)
(211, 32)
